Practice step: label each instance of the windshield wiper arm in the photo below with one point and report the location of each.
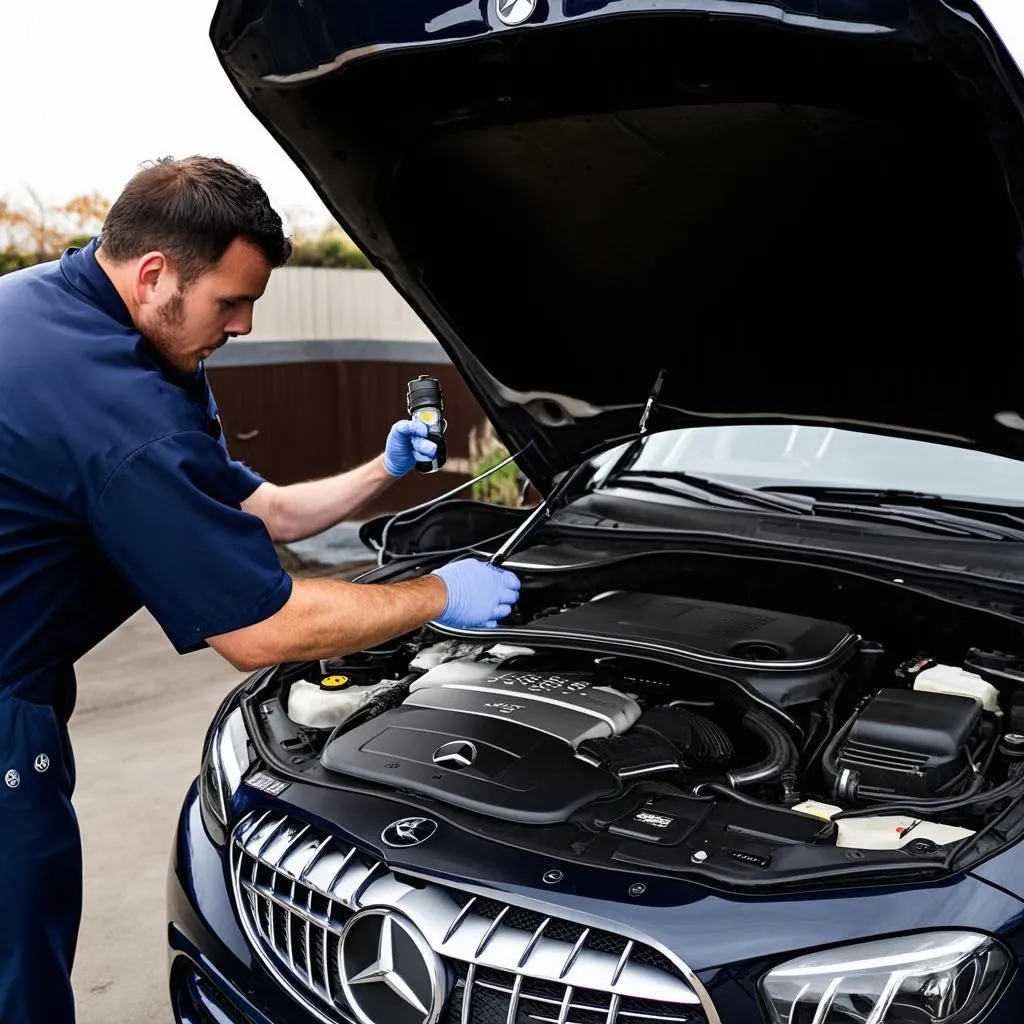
(909, 508)
(914, 507)
(855, 494)
(720, 488)
(920, 518)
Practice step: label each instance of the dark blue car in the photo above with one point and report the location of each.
(741, 286)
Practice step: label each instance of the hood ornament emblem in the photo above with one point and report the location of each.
(408, 832)
(514, 12)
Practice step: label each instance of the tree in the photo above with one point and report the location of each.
(86, 213)
(12, 224)
(41, 225)
(36, 231)
(330, 248)
(32, 231)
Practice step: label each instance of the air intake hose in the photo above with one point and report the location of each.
(701, 742)
(779, 764)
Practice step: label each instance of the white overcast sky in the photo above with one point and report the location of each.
(94, 87)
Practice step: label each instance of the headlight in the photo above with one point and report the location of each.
(226, 762)
(934, 978)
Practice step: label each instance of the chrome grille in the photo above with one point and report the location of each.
(296, 887)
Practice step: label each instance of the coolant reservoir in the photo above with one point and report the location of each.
(884, 832)
(890, 832)
(326, 704)
(949, 679)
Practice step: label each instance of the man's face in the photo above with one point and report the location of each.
(187, 325)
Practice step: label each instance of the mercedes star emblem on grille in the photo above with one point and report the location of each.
(514, 12)
(457, 754)
(408, 832)
(389, 973)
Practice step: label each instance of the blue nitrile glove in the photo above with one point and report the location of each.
(406, 445)
(478, 594)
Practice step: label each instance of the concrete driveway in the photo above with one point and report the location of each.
(137, 732)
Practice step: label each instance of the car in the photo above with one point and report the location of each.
(739, 286)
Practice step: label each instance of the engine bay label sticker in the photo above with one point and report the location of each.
(266, 784)
(654, 820)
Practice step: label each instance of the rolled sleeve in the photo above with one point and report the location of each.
(169, 520)
(244, 480)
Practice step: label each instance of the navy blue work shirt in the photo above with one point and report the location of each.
(116, 487)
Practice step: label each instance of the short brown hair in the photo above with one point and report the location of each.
(192, 210)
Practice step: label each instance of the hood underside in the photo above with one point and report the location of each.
(799, 218)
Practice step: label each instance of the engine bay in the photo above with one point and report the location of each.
(646, 729)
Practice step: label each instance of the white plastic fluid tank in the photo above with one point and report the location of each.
(884, 832)
(327, 704)
(890, 832)
(950, 679)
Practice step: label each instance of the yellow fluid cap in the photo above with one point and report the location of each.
(816, 809)
(334, 682)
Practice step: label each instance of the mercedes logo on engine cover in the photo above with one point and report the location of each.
(389, 973)
(457, 754)
(408, 832)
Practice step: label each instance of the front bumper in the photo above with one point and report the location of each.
(215, 978)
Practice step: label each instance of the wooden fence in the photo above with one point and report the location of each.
(304, 420)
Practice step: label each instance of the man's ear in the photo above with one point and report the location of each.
(153, 279)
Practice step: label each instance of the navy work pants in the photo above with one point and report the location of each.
(40, 866)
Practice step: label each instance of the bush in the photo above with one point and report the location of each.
(500, 488)
(11, 260)
(331, 248)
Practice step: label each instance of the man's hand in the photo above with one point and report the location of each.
(297, 511)
(478, 594)
(406, 445)
(325, 618)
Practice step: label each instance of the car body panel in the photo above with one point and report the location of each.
(433, 131)
(727, 941)
(707, 929)
(454, 150)
(1005, 870)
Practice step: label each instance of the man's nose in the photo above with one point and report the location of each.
(240, 324)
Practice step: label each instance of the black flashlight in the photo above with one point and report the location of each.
(426, 404)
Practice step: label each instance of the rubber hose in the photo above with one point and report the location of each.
(829, 767)
(781, 761)
(704, 788)
(712, 743)
(726, 793)
(971, 801)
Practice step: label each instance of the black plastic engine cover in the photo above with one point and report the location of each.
(487, 765)
(788, 658)
(571, 706)
(904, 742)
(723, 633)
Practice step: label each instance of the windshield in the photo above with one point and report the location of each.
(766, 455)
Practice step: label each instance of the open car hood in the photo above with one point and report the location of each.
(807, 211)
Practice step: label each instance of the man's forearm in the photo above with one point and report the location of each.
(297, 511)
(325, 618)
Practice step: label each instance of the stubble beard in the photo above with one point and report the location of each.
(166, 335)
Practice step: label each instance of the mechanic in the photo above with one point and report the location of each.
(117, 491)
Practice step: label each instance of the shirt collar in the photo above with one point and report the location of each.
(83, 272)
